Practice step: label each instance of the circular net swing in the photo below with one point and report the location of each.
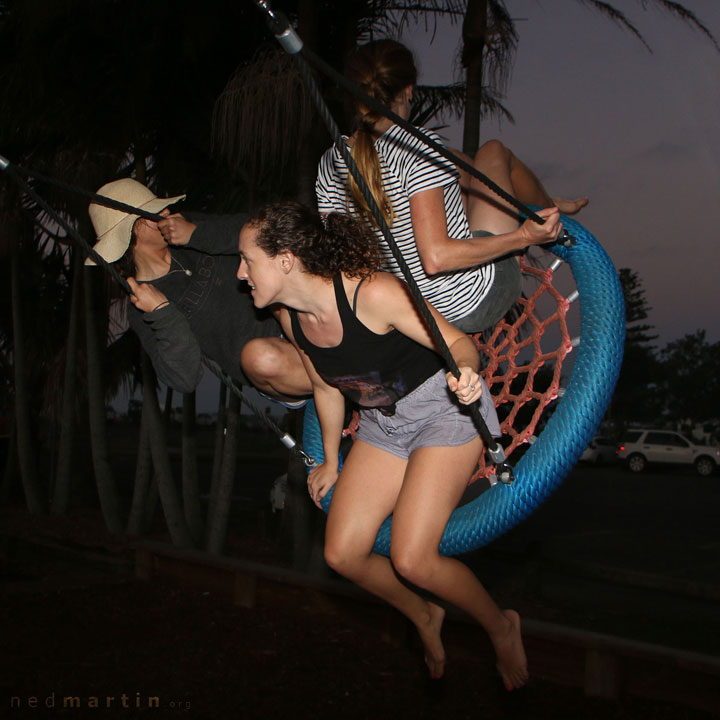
(515, 357)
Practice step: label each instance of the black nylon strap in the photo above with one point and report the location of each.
(94, 197)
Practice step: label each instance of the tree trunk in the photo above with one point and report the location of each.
(169, 498)
(190, 487)
(153, 496)
(302, 516)
(104, 479)
(151, 504)
(474, 39)
(217, 452)
(217, 526)
(11, 471)
(23, 421)
(143, 467)
(61, 494)
(299, 510)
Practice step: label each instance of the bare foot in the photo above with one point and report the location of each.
(430, 637)
(512, 663)
(570, 207)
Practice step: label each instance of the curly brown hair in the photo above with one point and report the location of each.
(326, 246)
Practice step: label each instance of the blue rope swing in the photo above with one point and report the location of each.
(572, 426)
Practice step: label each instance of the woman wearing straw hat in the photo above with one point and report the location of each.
(186, 300)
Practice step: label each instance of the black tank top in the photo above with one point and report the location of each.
(372, 370)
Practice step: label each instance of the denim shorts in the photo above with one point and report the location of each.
(501, 296)
(430, 416)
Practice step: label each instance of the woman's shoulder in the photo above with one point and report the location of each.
(332, 153)
(396, 134)
(382, 299)
(400, 147)
(381, 286)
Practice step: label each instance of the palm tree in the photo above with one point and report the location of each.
(489, 41)
(24, 434)
(75, 110)
(219, 508)
(61, 489)
(104, 479)
(190, 486)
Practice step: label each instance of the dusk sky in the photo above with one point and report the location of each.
(597, 114)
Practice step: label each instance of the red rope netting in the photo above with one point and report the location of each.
(522, 374)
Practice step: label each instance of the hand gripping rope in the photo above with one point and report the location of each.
(578, 414)
(17, 172)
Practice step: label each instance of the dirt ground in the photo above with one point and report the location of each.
(160, 649)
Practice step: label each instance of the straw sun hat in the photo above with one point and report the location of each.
(114, 227)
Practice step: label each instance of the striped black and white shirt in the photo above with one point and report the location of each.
(409, 166)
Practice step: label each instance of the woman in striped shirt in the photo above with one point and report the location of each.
(470, 277)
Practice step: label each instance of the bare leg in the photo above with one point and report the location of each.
(364, 496)
(485, 210)
(419, 519)
(274, 367)
(529, 189)
(374, 482)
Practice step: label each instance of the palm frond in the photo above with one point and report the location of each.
(617, 17)
(432, 101)
(261, 115)
(501, 46)
(391, 18)
(681, 12)
(674, 8)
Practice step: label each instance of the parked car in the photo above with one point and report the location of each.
(600, 450)
(642, 446)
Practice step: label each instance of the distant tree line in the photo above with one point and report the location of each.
(676, 385)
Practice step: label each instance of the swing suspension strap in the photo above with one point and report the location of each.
(17, 173)
(289, 40)
(285, 438)
(93, 197)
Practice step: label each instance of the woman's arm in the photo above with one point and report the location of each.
(330, 406)
(212, 234)
(167, 338)
(441, 253)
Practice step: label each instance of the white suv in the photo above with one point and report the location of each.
(640, 447)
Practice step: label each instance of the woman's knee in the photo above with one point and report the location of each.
(414, 565)
(492, 152)
(261, 357)
(343, 560)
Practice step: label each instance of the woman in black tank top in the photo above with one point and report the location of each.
(359, 335)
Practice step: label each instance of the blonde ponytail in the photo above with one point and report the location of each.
(382, 68)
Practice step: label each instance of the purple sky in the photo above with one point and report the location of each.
(597, 114)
